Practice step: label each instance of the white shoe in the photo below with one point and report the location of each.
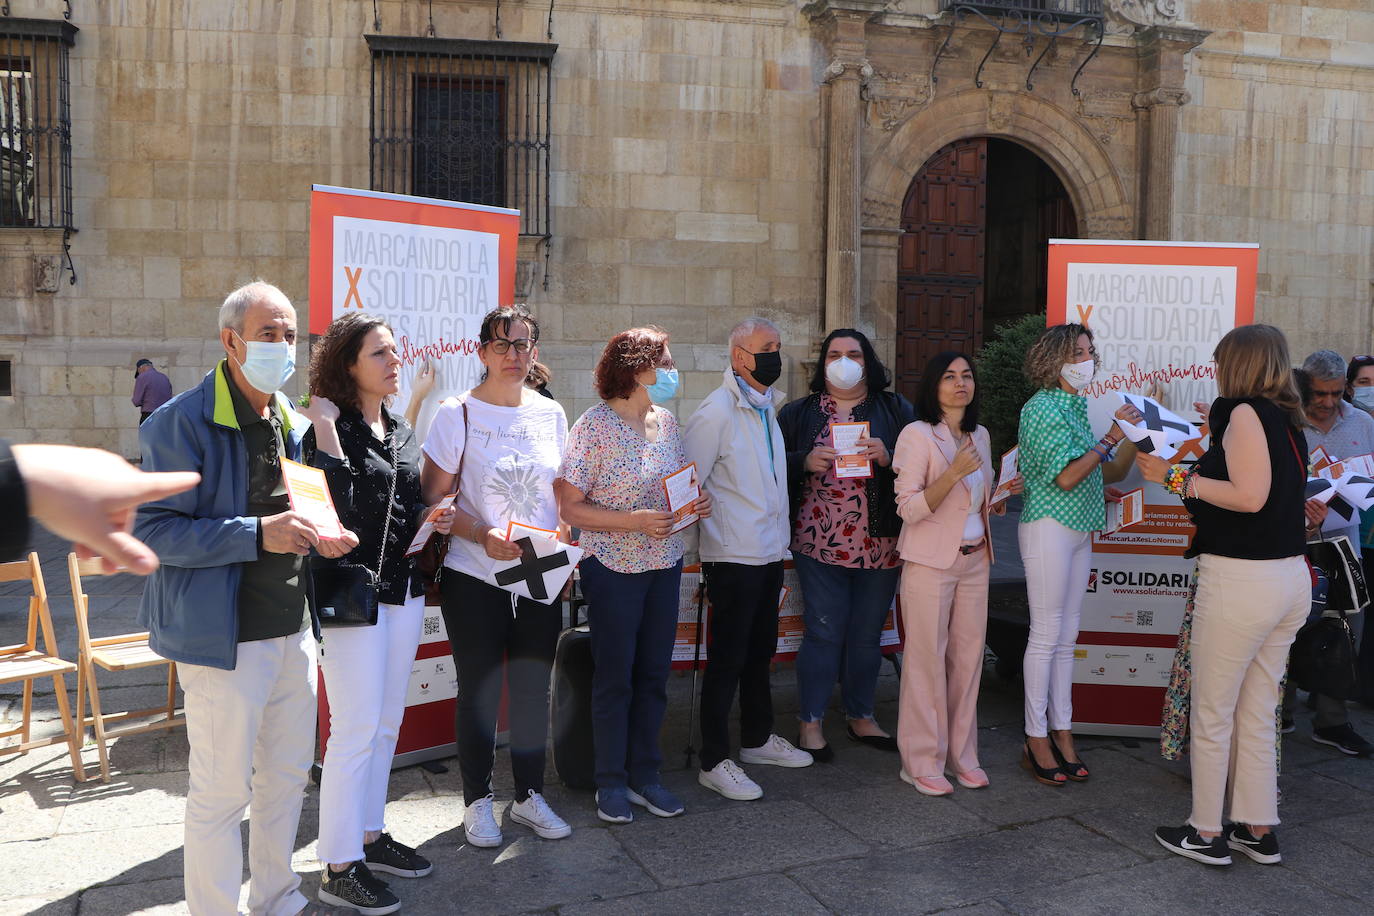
(729, 780)
(479, 824)
(776, 751)
(534, 812)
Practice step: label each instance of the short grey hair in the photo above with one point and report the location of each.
(1325, 366)
(237, 303)
(749, 326)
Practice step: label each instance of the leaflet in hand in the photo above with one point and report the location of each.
(682, 490)
(1008, 474)
(850, 461)
(543, 568)
(308, 490)
(1361, 465)
(1345, 498)
(1319, 460)
(1162, 431)
(417, 543)
(1128, 512)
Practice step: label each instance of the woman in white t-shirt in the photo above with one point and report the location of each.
(499, 446)
(944, 479)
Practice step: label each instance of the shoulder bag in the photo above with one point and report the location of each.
(346, 593)
(430, 561)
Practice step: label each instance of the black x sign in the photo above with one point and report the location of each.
(1150, 411)
(531, 569)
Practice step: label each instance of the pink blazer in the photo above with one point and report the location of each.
(923, 453)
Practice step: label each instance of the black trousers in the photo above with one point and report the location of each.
(1366, 656)
(488, 641)
(743, 637)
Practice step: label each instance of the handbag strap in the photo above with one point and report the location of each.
(390, 507)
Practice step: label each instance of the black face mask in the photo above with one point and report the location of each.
(767, 367)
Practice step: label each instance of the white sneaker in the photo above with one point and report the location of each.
(479, 824)
(729, 780)
(534, 812)
(776, 751)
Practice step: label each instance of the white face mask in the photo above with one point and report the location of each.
(1363, 397)
(1078, 375)
(844, 373)
(268, 364)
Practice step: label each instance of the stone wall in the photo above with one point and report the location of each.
(1277, 147)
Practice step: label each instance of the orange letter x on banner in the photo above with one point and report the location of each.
(353, 296)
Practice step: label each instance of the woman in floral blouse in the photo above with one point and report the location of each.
(844, 536)
(611, 487)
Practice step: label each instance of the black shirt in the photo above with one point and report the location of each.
(1278, 529)
(272, 598)
(360, 484)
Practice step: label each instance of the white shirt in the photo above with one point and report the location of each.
(513, 455)
(973, 524)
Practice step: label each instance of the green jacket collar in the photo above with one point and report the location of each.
(224, 401)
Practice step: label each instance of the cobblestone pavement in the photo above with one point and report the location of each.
(847, 837)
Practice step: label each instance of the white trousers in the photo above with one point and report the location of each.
(252, 735)
(1058, 561)
(1244, 620)
(366, 672)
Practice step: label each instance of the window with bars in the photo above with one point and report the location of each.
(465, 120)
(35, 124)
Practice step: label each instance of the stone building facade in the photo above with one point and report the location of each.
(709, 160)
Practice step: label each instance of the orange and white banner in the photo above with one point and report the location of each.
(1157, 311)
(431, 268)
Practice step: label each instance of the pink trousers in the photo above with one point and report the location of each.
(945, 615)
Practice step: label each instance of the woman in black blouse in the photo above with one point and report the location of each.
(364, 449)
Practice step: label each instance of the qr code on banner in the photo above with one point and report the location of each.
(1144, 618)
(431, 626)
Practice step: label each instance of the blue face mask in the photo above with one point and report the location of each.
(664, 387)
(1363, 397)
(268, 364)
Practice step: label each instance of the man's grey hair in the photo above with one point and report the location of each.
(749, 326)
(237, 303)
(1325, 366)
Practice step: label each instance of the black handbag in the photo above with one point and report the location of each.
(1323, 658)
(346, 593)
(1341, 562)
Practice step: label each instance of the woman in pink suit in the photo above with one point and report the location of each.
(944, 484)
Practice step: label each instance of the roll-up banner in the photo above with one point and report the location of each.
(431, 269)
(1157, 311)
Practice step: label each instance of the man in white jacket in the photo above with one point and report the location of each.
(737, 446)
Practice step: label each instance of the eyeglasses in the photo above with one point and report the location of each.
(501, 346)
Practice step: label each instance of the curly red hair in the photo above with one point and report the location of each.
(626, 355)
(336, 353)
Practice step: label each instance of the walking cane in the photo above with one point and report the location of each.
(696, 667)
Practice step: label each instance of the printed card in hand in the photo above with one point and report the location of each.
(682, 491)
(543, 567)
(1161, 432)
(1319, 460)
(850, 461)
(308, 491)
(1129, 511)
(427, 527)
(1008, 474)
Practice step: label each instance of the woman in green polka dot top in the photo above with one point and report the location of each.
(1065, 468)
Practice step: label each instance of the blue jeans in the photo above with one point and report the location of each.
(844, 612)
(633, 618)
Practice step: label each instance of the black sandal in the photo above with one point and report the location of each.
(1045, 775)
(1075, 770)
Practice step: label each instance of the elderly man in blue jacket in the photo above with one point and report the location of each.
(231, 605)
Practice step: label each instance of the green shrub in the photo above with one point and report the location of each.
(1003, 387)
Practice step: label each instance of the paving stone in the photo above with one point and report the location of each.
(147, 898)
(1328, 860)
(1178, 885)
(1357, 772)
(144, 800)
(1309, 796)
(127, 854)
(944, 875)
(990, 908)
(28, 815)
(40, 906)
(740, 840)
(761, 895)
(900, 818)
(1132, 824)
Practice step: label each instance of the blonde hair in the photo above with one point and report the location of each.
(1051, 350)
(1252, 362)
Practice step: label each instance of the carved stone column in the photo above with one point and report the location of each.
(1163, 68)
(844, 87)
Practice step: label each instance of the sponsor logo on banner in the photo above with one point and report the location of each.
(431, 680)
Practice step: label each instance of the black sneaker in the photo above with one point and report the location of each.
(358, 888)
(1344, 739)
(387, 855)
(1185, 841)
(1264, 850)
(1288, 727)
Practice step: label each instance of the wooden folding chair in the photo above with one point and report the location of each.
(27, 662)
(114, 653)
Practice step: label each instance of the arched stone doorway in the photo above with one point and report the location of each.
(975, 223)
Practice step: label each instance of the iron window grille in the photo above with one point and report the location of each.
(461, 119)
(1053, 9)
(35, 124)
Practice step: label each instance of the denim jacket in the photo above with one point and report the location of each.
(202, 536)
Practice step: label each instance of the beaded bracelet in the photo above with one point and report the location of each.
(1101, 454)
(1175, 479)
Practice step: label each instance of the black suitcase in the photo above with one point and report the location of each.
(571, 709)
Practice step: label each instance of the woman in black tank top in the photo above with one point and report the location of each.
(1253, 592)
